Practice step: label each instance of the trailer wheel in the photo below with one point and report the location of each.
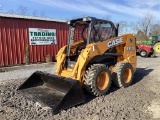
(97, 79)
(143, 53)
(123, 74)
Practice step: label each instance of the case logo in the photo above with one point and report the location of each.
(115, 42)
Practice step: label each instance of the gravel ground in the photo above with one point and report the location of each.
(140, 101)
(25, 72)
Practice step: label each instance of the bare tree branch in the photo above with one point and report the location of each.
(107, 17)
(42, 14)
(22, 10)
(143, 24)
(35, 13)
(1, 8)
(122, 27)
(140, 36)
(11, 12)
(155, 29)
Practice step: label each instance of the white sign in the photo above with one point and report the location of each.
(115, 42)
(38, 36)
(130, 48)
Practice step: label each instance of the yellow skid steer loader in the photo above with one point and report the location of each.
(91, 61)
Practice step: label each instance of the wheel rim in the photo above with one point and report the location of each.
(102, 80)
(143, 53)
(127, 75)
(157, 48)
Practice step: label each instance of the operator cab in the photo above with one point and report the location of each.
(87, 30)
(91, 29)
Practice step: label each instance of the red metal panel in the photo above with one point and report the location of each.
(14, 38)
(4, 44)
(1, 44)
(8, 36)
(13, 43)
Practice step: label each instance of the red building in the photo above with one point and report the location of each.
(15, 38)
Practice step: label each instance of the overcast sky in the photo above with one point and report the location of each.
(119, 10)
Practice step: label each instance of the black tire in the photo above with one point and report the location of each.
(152, 54)
(97, 79)
(143, 53)
(120, 74)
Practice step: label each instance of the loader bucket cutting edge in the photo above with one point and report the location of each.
(56, 92)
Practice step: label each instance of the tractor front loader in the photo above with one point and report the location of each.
(91, 60)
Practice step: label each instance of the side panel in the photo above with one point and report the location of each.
(130, 51)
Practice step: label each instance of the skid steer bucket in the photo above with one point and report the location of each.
(56, 92)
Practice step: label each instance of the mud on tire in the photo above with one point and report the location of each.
(123, 74)
(97, 80)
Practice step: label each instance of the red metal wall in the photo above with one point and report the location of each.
(14, 38)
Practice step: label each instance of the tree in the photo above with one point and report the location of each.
(35, 13)
(155, 29)
(122, 27)
(140, 36)
(22, 10)
(107, 17)
(11, 12)
(143, 24)
(1, 8)
(42, 14)
(38, 14)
